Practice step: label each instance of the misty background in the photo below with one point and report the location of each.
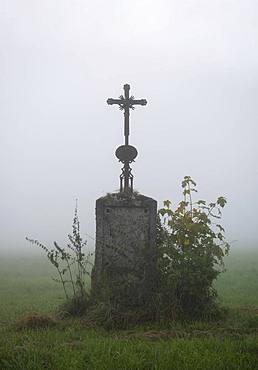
(196, 63)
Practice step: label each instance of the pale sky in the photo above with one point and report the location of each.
(196, 63)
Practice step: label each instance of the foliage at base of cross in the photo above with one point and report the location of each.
(191, 246)
(190, 249)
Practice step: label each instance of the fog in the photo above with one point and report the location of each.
(196, 63)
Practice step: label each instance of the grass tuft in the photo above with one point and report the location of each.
(34, 322)
(76, 306)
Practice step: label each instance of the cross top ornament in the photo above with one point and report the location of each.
(126, 153)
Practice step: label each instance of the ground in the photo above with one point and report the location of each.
(26, 290)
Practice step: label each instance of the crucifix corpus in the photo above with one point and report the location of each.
(126, 153)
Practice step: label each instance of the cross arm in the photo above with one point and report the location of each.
(139, 102)
(111, 101)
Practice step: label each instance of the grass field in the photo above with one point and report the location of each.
(26, 288)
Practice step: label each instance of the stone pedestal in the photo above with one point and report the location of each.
(125, 255)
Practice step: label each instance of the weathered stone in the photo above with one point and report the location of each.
(125, 255)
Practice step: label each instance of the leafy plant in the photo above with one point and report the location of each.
(191, 247)
(71, 263)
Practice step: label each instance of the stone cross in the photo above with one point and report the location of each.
(125, 103)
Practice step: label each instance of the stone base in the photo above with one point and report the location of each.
(125, 255)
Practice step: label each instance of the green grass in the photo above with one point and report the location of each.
(26, 287)
(239, 284)
(77, 348)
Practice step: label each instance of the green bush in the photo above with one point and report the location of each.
(191, 247)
